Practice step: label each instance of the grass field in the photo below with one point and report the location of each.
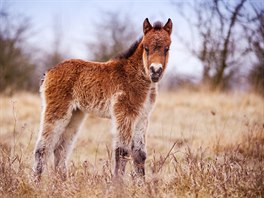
(199, 144)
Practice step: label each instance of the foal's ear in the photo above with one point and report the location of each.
(146, 26)
(168, 26)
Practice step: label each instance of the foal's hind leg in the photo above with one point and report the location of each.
(64, 146)
(50, 130)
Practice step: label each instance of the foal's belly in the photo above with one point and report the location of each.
(100, 108)
(103, 113)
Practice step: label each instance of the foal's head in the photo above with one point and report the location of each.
(156, 43)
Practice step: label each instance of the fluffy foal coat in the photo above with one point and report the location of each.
(122, 89)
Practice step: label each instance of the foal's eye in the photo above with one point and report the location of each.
(166, 49)
(146, 49)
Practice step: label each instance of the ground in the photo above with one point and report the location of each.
(199, 144)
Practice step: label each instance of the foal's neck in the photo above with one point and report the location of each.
(136, 61)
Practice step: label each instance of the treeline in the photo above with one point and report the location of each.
(15, 61)
(231, 41)
(230, 37)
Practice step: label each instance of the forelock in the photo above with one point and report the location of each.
(157, 25)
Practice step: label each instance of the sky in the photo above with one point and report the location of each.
(77, 21)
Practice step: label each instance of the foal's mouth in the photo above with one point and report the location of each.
(154, 77)
(155, 74)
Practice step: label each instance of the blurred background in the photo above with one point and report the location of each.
(216, 44)
(206, 133)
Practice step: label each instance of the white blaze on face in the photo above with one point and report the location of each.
(156, 66)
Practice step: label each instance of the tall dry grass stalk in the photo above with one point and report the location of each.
(199, 144)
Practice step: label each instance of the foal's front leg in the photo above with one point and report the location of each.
(123, 123)
(122, 143)
(138, 147)
(121, 158)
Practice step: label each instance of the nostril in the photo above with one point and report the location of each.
(159, 70)
(152, 69)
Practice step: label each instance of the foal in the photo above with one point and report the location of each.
(122, 89)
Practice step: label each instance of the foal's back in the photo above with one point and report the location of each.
(79, 84)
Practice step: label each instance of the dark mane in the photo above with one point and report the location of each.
(157, 25)
(126, 54)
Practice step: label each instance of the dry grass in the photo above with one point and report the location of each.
(199, 144)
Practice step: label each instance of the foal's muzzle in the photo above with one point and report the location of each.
(155, 72)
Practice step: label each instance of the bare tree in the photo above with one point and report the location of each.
(15, 63)
(256, 41)
(113, 35)
(222, 45)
